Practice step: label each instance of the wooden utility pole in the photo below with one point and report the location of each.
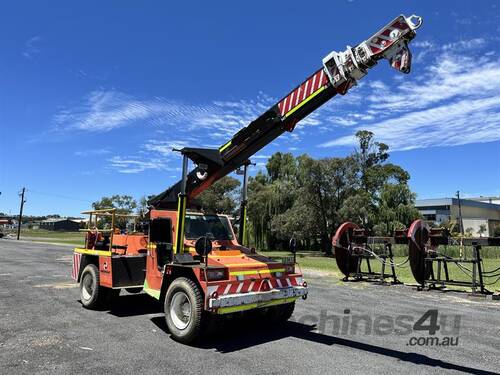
(460, 220)
(20, 213)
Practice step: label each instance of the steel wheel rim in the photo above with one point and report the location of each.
(87, 287)
(180, 310)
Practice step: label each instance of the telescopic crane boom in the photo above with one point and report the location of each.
(340, 72)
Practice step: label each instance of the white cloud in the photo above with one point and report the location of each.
(132, 165)
(103, 111)
(466, 121)
(422, 44)
(454, 100)
(176, 124)
(31, 47)
(92, 152)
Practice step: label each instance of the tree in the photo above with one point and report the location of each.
(124, 204)
(220, 197)
(396, 209)
(468, 232)
(308, 199)
(143, 206)
(482, 230)
(260, 194)
(281, 166)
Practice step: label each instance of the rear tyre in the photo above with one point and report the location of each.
(92, 294)
(184, 310)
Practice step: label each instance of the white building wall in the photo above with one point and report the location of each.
(475, 224)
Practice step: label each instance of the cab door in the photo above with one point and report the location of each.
(160, 252)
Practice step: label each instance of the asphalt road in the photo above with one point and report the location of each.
(45, 330)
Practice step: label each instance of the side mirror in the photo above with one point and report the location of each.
(293, 245)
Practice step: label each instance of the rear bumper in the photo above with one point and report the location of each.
(254, 300)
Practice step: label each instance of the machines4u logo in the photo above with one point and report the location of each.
(429, 329)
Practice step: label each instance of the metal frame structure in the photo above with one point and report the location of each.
(424, 243)
(352, 246)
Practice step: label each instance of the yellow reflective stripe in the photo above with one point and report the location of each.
(179, 233)
(183, 222)
(225, 146)
(244, 229)
(321, 89)
(93, 252)
(236, 273)
(152, 292)
(251, 265)
(231, 309)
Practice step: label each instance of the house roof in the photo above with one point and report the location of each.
(454, 202)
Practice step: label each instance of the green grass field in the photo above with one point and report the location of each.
(327, 265)
(40, 235)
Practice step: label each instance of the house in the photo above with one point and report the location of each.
(60, 224)
(475, 214)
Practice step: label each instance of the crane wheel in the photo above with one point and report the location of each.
(279, 314)
(92, 294)
(184, 310)
(285, 311)
(418, 235)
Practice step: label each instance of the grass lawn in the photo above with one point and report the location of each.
(317, 262)
(40, 235)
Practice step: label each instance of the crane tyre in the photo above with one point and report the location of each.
(284, 312)
(184, 310)
(92, 294)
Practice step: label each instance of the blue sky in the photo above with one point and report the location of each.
(95, 94)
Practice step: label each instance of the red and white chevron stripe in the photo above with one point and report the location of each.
(77, 258)
(301, 93)
(237, 287)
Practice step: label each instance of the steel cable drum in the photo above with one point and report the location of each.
(341, 243)
(418, 235)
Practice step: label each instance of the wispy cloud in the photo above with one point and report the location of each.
(177, 124)
(31, 47)
(106, 110)
(454, 101)
(130, 165)
(92, 152)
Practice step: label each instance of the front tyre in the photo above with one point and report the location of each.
(184, 310)
(92, 294)
(281, 313)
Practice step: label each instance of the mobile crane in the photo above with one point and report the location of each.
(192, 261)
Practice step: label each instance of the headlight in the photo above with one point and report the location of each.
(278, 274)
(217, 274)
